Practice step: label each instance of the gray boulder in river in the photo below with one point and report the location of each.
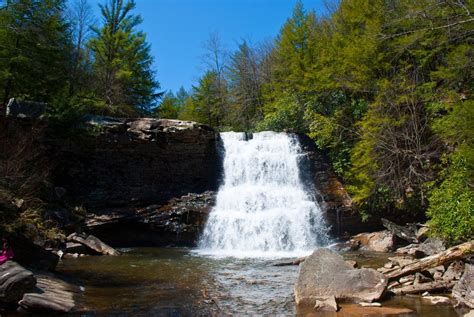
(325, 273)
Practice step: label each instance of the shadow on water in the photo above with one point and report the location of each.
(176, 282)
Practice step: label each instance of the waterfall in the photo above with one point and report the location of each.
(262, 208)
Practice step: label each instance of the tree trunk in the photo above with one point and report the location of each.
(455, 253)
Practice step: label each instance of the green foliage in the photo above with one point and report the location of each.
(288, 114)
(122, 61)
(34, 49)
(452, 200)
(169, 107)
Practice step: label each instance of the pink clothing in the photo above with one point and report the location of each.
(6, 255)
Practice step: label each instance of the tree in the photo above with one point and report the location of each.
(169, 107)
(245, 87)
(81, 19)
(34, 49)
(122, 60)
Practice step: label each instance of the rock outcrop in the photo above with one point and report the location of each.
(340, 212)
(178, 222)
(136, 162)
(325, 273)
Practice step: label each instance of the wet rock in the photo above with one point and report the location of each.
(92, 243)
(178, 222)
(352, 263)
(52, 295)
(325, 273)
(382, 241)
(437, 300)
(339, 209)
(15, 281)
(326, 304)
(463, 291)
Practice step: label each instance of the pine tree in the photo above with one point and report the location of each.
(122, 60)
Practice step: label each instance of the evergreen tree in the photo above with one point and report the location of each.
(122, 60)
(34, 51)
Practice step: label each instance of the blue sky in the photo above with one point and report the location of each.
(177, 29)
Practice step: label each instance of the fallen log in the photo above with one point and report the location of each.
(423, 287)
(452, 254)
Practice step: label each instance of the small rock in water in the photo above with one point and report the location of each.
(326, 304)
(425, 294)
(374, 304)
(437, 300)
(388, 265)
(352, 263)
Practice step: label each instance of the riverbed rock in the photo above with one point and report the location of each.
(15, 281)
(52, 295)
(326, 304)
(381, 241)
(325, 273)
(463, 291)
(92, 243)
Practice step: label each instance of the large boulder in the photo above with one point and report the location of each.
(381, 241)
(325, 273)
(15, 281)
(463, 291)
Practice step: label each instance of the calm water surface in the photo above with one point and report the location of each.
(176, 282)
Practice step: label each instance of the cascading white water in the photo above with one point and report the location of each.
(262, 209)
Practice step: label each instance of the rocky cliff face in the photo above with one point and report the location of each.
(137, 162)
(116, 167)
(340, 212)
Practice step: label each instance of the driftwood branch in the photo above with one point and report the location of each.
(452, 254)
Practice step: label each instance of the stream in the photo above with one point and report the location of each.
(177, 282)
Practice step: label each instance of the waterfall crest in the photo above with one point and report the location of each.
(262, 209)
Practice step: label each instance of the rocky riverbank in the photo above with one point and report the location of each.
(425, 267)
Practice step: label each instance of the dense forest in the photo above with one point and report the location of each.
(383, 87)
